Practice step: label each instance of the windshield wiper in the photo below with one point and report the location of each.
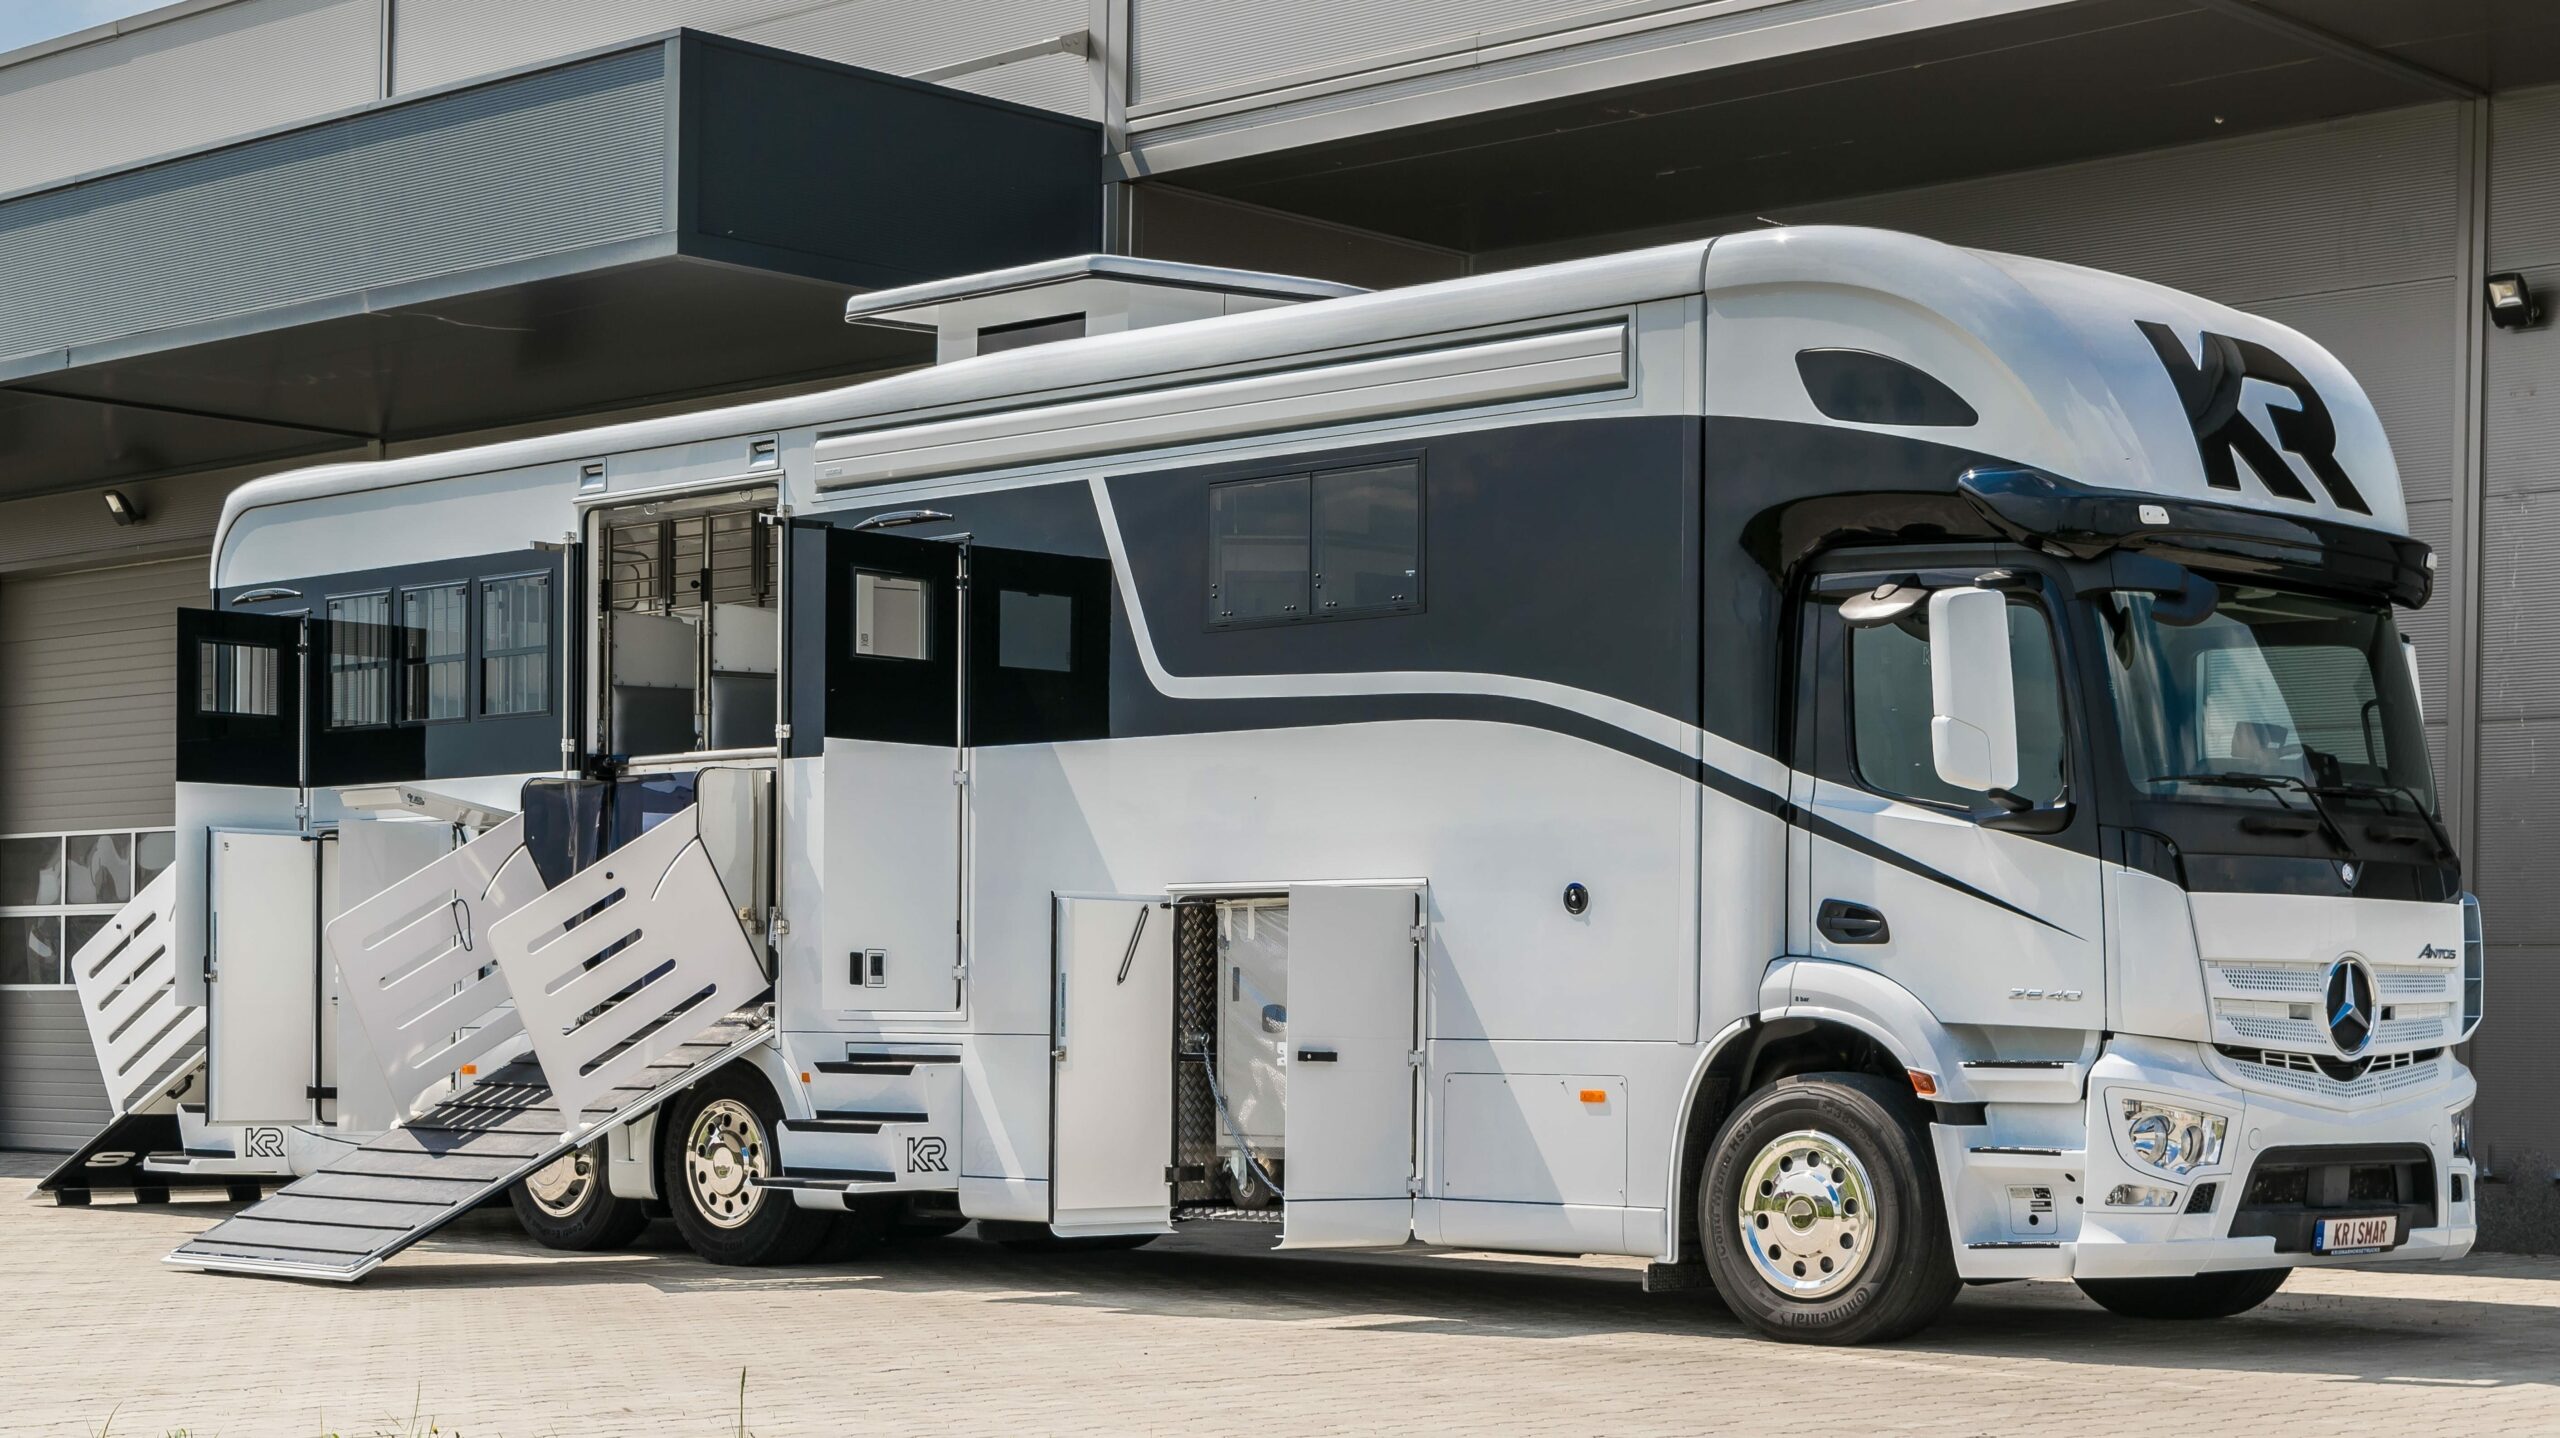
(2276, 784)
(2388, 793)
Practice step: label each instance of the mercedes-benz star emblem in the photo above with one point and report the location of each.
(2350, 1006)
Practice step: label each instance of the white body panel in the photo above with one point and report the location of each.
(1353, 954)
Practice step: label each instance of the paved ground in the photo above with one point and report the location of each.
(479, 1333)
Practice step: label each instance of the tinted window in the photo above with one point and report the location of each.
(1889, 710)
(435, 652)
(1368, 539)
(515, 645)
(1259, 550)
(1035, 631)
(235, 678)
(359, 660)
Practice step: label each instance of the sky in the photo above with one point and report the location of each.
(24, 22)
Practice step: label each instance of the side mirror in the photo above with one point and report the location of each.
(1973, 723)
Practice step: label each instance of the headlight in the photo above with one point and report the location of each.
(2176, 1141)
(2462, 1132)
(2475, 964)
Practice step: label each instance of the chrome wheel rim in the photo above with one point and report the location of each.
(724, 1152)
(1808, 1215)
(560, 1188)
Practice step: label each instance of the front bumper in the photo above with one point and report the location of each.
(2027, 1192)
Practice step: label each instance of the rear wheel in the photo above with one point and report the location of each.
(1821, 1216)
(2205, 1295)
(718, 1143)
(565, 1204)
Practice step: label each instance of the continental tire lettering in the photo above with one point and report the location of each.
(2210, 391)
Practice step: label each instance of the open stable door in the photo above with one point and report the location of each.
(1111, 1017)
(239, 717)
(893, 635)
(1355, 977)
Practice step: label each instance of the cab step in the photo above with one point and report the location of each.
(852, 1120)
(826, 1179)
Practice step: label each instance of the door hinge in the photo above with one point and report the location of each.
(1413, 1188)
(778, 927)
(1413, 1058)
(960, 970)
(781, 731)
(1421, 933)
(960, 776)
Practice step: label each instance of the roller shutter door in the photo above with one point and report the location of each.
(87, 662)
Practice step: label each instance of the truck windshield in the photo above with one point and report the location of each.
(2274, 694)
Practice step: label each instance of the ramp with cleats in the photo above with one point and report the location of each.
(348, 1219)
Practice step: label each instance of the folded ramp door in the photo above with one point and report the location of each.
(1112, 1133)
(149, 1046)
(1354, 978)
(346, 1220)
(626, 961)
(418, 970)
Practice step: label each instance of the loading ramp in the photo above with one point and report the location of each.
(150, 1052)
(627, 981)
(346, 1220)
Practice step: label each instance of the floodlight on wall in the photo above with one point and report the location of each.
(122, 509)
(2512, 305)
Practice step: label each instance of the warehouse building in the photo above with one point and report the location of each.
(240, 235)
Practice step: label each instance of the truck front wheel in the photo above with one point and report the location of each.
(1821, 1215)
(2205, 1295)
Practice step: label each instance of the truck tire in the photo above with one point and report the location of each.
(566, 1204)
(2205, 1295)
(1821, 1216)
(716, 1138)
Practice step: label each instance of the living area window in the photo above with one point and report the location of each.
(1324, 544)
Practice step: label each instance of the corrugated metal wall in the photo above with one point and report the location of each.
(50, 1094)
(436, 42)
(2520, 661)
(151, 92)
(86, 737)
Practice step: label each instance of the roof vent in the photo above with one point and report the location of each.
(1071, 298)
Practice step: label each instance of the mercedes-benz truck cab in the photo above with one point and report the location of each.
(1837, 764)
(2120, 819)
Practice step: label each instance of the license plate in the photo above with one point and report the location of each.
(2354, 1235)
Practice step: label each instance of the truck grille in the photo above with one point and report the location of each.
(2311, 1074)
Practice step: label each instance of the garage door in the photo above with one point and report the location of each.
(87, 665)
(86, 710)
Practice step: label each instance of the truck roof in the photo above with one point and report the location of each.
(2070, 369)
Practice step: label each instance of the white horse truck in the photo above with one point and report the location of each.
(1844, 766)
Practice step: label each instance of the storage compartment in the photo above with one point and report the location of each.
(1534, 1138)
(1232, 1032)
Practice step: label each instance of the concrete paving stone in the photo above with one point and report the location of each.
(485, 1335)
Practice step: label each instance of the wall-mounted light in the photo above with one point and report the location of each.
(122, 509)
(2512, 305)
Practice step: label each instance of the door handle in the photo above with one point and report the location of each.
(1843, 922)
(1317, 1056)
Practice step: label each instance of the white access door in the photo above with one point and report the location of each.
(1111, 1041)
(1354, 996)
(264, 992)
